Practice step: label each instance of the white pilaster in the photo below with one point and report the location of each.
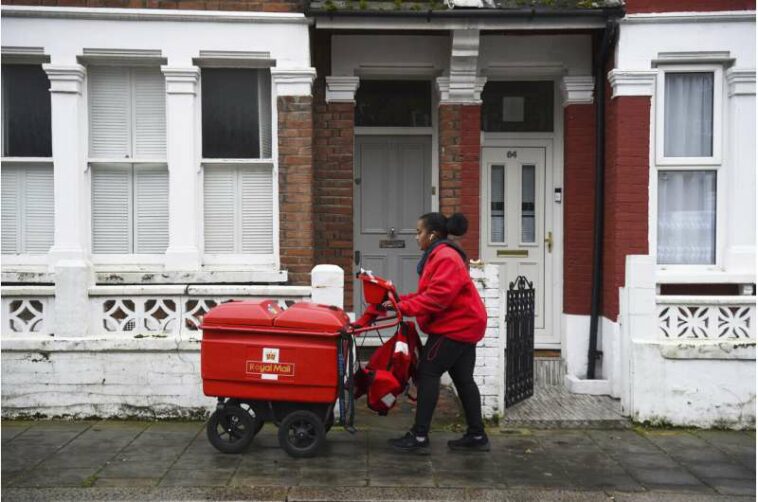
(328, 283)
(463, 86)
(183, 253)
(341, 89)
(293, 81)
(578, 90)
(443, 88)
(632, 82)
(68, 256)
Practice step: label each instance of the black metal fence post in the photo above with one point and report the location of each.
(519, 349)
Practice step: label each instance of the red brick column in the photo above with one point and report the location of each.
(627, 167)
(460, 151)
(578, 207)
(296, 244)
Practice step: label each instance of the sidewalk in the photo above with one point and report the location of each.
(131, 460)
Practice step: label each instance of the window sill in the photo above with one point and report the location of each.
(206, 275)
(701, 275)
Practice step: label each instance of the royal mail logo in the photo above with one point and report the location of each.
(267, 368)
(270, 357)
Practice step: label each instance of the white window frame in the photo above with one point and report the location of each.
(32, 56)
(152, 259)
(667, 272)
(718, 106)
(243, 260)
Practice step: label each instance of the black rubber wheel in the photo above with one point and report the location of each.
(245, 406)
(301, 434)
(231, 429)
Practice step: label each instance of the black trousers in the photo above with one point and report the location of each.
(442, 354)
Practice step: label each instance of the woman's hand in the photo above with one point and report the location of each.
(388, 305)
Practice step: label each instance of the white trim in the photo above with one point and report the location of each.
(67, 79)
(234, 59)
(740, 81)
(26, 160)
(341, 89)
(192, 289)
(394, 131)
(693, 57)
(127, 259)
(153, 15)
(422, 23)
(704, 300)
(24, 55)
(181, 80)
(690, 163)
(462, 86)
(121, 57)
(698, 275)
(632, 82)
(578, 90)
(689, 17)
(293, 81)
(246, 162)
(447, 98)
(27, 291)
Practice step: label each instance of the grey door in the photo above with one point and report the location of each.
(392, 189)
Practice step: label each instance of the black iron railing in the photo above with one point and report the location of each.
(519, 349)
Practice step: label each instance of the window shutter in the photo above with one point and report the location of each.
(151, 211)
(109, 112)
(111, 209)
(219, 187)
(149, 113)
(11, 214)
(264, 112)
(39, 214)
(256, 210)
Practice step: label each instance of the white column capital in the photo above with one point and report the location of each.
(578, 90)
(449, 93)
(181, 80)
(740, 81)
(341, 89)
(66, 79)
(293, 81)
(632, 82)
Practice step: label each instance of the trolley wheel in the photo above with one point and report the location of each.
(245, 406)
(231, 429)
(301, 434)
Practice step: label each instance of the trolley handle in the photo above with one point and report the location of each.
(396, 319)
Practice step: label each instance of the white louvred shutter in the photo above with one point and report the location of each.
(39, 217)
(11, 210)
(149, 113)
(151, 209)
(111, 209)
(220, 200)
(256, 210)
(109, 112)
(264, 112)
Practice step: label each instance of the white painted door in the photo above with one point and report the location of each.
(517, 226)
(392, 189)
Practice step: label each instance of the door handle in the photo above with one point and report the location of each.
(549, 242)
(357, 257)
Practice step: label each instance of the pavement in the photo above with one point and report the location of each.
(140, 460)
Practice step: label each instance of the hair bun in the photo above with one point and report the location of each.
(457, 224)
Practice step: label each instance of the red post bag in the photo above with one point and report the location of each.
(389, 369)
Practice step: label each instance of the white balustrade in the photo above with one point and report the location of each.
(706, 317)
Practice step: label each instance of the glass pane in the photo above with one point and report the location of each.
(230, 113)
(686, 217)
(527, 204)
(26, 112)
(517, 107)
(387, 103)
(688, 130)
(497, 204)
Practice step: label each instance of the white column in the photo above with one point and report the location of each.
(463, 86)
(183, 253)
(69, 256)
(327, 283)
(341, 89)
(739, 172)
(578, 90)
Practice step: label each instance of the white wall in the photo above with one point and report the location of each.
(352, 54)
(521, 53)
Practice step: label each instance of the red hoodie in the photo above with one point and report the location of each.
(446, 302)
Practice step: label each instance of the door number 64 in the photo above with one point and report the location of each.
(511, 154)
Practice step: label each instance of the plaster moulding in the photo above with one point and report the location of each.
(234, 59)
(120, 57)
(293, 81)
(341, 89)
(24, 55)
(632, 82)
(694, 57)
(181, 80)
(65, 78)
(464, 95)
(740, 82)
(578, 90)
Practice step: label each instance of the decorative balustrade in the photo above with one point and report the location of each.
(706, 317)
(28, 309)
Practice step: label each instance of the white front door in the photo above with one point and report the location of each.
(392, 189)
(517, 228)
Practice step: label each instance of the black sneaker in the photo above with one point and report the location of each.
(409, 443)
(470, 442)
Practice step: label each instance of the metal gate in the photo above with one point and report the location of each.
(519, 349)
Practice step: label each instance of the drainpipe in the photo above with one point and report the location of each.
(601, 61)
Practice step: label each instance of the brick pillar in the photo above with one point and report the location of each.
(296, 237)
(578, 208)
(460, 149)
(627, 166)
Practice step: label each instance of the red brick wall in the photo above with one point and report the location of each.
(460, 150)
(578, 207)
(296, 187)
(626, 191)
(637, 6)
(234, 5)
(333, 170)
